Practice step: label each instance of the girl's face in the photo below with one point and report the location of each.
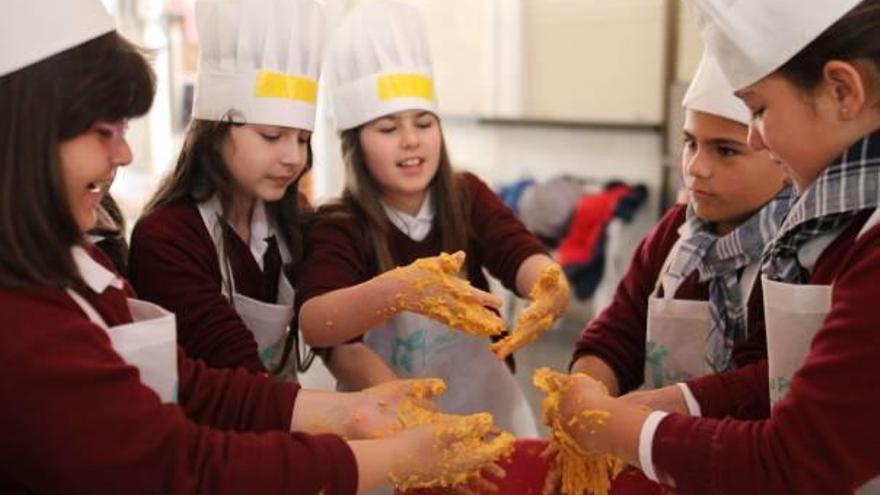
(801, 131)
(88, 167)
(264, 160)
(726, 180)
(402, 153)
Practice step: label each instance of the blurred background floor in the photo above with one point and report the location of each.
(554, 349)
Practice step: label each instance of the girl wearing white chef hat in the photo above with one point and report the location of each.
(218, 240)
(810, 74)
(97, 397)
(403, 201)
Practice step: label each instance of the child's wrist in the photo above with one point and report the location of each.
(388, 289)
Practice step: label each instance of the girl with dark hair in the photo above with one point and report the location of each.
(810, 75)
(403, 202)
(219, 239)
(96, 397)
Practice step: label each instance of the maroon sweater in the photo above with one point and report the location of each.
(77, 419)
(338, 253)
(617, 335)
(823, 437)
(173, 263)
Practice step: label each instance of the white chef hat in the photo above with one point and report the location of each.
(710, 92)
(753, 38)
(260, 61)
(33, 30)
(380, 63)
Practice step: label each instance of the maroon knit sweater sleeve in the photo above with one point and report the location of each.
(77, 419)
(173, 263)
(337, 250)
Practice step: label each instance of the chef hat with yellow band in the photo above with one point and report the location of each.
(753, 38)
(710, 92)
(34, 30)
(260, 61)
(380, 63)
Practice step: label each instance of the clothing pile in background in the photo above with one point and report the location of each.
(572, 215)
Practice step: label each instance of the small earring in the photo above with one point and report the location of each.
(844, 112)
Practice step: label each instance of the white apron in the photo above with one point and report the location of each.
(416, 346)
(793, 314)
(269, 323)
(675, 340)
(149, 343)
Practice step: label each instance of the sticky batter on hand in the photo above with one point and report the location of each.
(539, 317)
(581, 471)
(436, 292)
(462, 443)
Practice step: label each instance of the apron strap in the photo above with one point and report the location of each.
(873, 220)
(747, 284)
(668, 292)
(212, 220)
(87, 308)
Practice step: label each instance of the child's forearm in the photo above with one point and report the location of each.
(529, 271)
(359, 367)
(600, 370)
(344, 314)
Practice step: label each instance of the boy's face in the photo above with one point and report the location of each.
(726, 180)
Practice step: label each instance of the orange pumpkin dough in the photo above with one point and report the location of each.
(581, 472)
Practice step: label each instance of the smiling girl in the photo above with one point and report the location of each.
(402, 202)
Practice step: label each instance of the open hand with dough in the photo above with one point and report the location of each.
(550, 297)
(432, 287)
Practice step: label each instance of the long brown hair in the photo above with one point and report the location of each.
(361, 195)
(42, 105)
(855, 36)
(201, 173)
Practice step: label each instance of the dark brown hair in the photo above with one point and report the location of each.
(42, 105)
(856, 36)
(110, 231)
(201, 173)
(361, 197)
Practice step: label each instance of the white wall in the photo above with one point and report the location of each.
(595, 60)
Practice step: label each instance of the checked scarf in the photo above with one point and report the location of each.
(848, 186)
(720, 261)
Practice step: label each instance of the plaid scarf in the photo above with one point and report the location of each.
(720, 260)
(850, 185)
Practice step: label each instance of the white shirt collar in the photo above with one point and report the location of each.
(261, 228)
(415, 227)
(95, 275)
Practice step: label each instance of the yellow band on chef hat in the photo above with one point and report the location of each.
(391, 86)
(277, 85)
